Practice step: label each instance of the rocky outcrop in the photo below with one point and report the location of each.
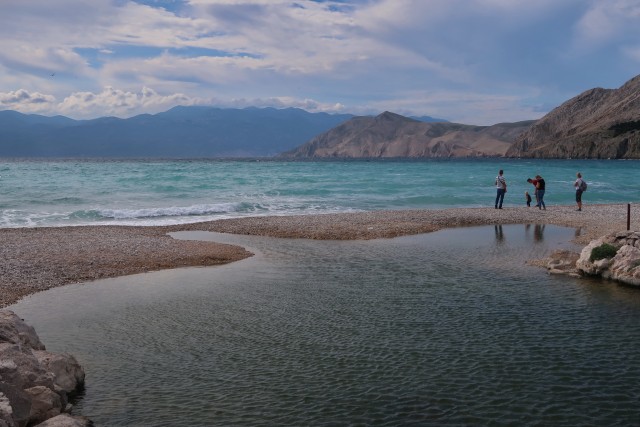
(599, 123)
(623, 267)
(560, 262)
(34, 383)
(390, 135)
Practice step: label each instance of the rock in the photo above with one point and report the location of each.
(623, 267)
(68, 374)
(45, 404)
(601, 265)
(20, 368)
(6, 412)
(561, 262)
(15, 330)
(66, 420)
(34, 383)
(19, 402)
(584, 263)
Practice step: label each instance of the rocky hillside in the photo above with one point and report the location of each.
(391, 135)
(599, 123)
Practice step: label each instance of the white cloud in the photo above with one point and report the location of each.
(607, 22)
(26, 102)
(43, 60)
(120, 103)
(310, 105)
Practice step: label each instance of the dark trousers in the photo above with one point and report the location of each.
(499, 197)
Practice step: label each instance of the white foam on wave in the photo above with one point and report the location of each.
(173, 211)
(158, 216)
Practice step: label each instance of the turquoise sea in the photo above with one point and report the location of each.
(152, 192)
(450, 328)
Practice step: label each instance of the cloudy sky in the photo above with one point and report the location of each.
(469, 61)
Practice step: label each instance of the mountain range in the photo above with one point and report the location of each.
(599, 123)
(393, 135)
(181, 132)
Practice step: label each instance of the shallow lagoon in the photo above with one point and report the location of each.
(447, 328)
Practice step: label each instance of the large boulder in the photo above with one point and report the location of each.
(20, 368)
(67, 372)
(45, 404)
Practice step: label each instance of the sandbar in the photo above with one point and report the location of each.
(40, 258)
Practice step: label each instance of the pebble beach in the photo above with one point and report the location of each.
(36, 259)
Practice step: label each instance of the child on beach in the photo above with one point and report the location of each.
(528, 198)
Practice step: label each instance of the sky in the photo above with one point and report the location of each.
(476, 62)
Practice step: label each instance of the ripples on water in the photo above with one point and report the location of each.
(448, 328)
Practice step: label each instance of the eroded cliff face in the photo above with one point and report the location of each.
(391, 135)
(599, 123)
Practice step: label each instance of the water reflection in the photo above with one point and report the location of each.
(538, 233)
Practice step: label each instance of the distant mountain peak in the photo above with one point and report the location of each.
(388, 116)
(390, 135)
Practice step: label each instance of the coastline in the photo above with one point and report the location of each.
(36, 259)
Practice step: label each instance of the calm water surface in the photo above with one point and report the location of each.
(447, 328)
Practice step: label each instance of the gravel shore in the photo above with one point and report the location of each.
(35, 259)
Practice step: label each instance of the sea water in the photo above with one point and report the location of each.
(446, 328)
(156, 192)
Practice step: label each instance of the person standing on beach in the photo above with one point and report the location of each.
(527, 198)
(580, 186)
(540, 190)
(501, 188)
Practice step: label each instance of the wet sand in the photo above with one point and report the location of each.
(35, 259)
